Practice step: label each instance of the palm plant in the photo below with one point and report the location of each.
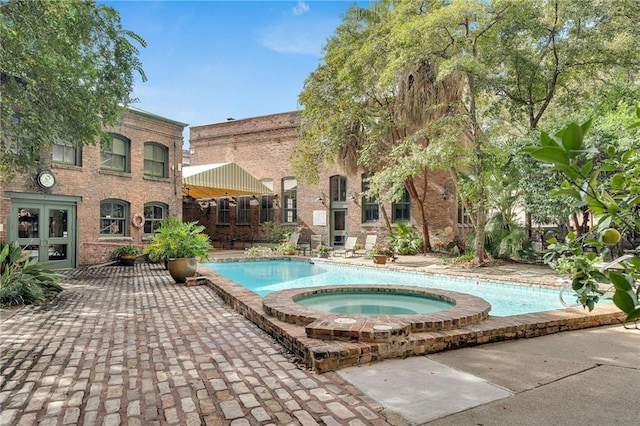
(177, 239)
(404, 239)
(504, 238)
(23, 280)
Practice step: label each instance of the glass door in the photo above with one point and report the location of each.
(46, 232)
(338, 227)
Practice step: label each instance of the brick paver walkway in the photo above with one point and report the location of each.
(127, 346)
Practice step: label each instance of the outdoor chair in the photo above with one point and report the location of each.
(295, 237)
(316, 241)
(369, 243)
(349, 247)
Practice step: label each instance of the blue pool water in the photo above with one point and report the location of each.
(373, 303)
(264, 277)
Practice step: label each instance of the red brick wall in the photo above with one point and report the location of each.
(94, 185)
(263, 145)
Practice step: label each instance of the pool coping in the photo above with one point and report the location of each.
(322, 355)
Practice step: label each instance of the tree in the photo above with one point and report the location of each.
(67, 70)
(612, 193)
(512, 63)
(362, 117)
(520, 61)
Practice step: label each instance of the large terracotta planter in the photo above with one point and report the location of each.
(380, 259)
(182, 268)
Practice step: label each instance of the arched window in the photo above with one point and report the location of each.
(113, 218)
(115, 154)
(154, 213)
(156, 159)
(338, 188)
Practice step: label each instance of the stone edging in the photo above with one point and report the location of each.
(327, 355)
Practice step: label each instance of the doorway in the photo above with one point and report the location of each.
(338, 227)
(338, 210)
(46, 230)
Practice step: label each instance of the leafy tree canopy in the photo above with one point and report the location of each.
(67, 69)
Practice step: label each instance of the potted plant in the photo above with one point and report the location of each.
(126, 255)
(383, 251)
(287, 247)
(323, 251)
(182, 244)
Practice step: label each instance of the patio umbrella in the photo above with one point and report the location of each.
(220, 180)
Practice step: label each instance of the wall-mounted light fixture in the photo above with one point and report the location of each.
(355, 197)
(276, 201)
(320, 199)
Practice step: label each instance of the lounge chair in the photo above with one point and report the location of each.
(295, 237)
(349, 247)
(316, 241)
(369, 243)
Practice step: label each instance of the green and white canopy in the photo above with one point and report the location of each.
(220, 180)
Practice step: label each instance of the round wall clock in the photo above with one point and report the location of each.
(46, 179)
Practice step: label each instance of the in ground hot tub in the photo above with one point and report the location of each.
(454, 310)
(374, 302)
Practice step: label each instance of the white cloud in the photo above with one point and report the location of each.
(300, 37)
(300, 8)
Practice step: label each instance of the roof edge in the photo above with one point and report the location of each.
(154, 116)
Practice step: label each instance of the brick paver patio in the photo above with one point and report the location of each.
(127, 346)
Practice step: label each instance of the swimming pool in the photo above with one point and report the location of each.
(264, 277)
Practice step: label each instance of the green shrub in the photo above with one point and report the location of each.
(275, 232)
(122, 250)
(24, 281)
(287, 247)
(258, 251)
(177, 239)
(404, 240)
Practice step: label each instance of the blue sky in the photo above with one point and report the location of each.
(207, 61)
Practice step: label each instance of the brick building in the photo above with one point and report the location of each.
(87, 202)
(334, 208)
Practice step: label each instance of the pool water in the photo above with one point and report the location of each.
(264, 277)
(373, 303)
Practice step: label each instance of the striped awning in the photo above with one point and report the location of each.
(220, 180)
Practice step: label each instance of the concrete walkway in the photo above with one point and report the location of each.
(584, 377)
(128, 346)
